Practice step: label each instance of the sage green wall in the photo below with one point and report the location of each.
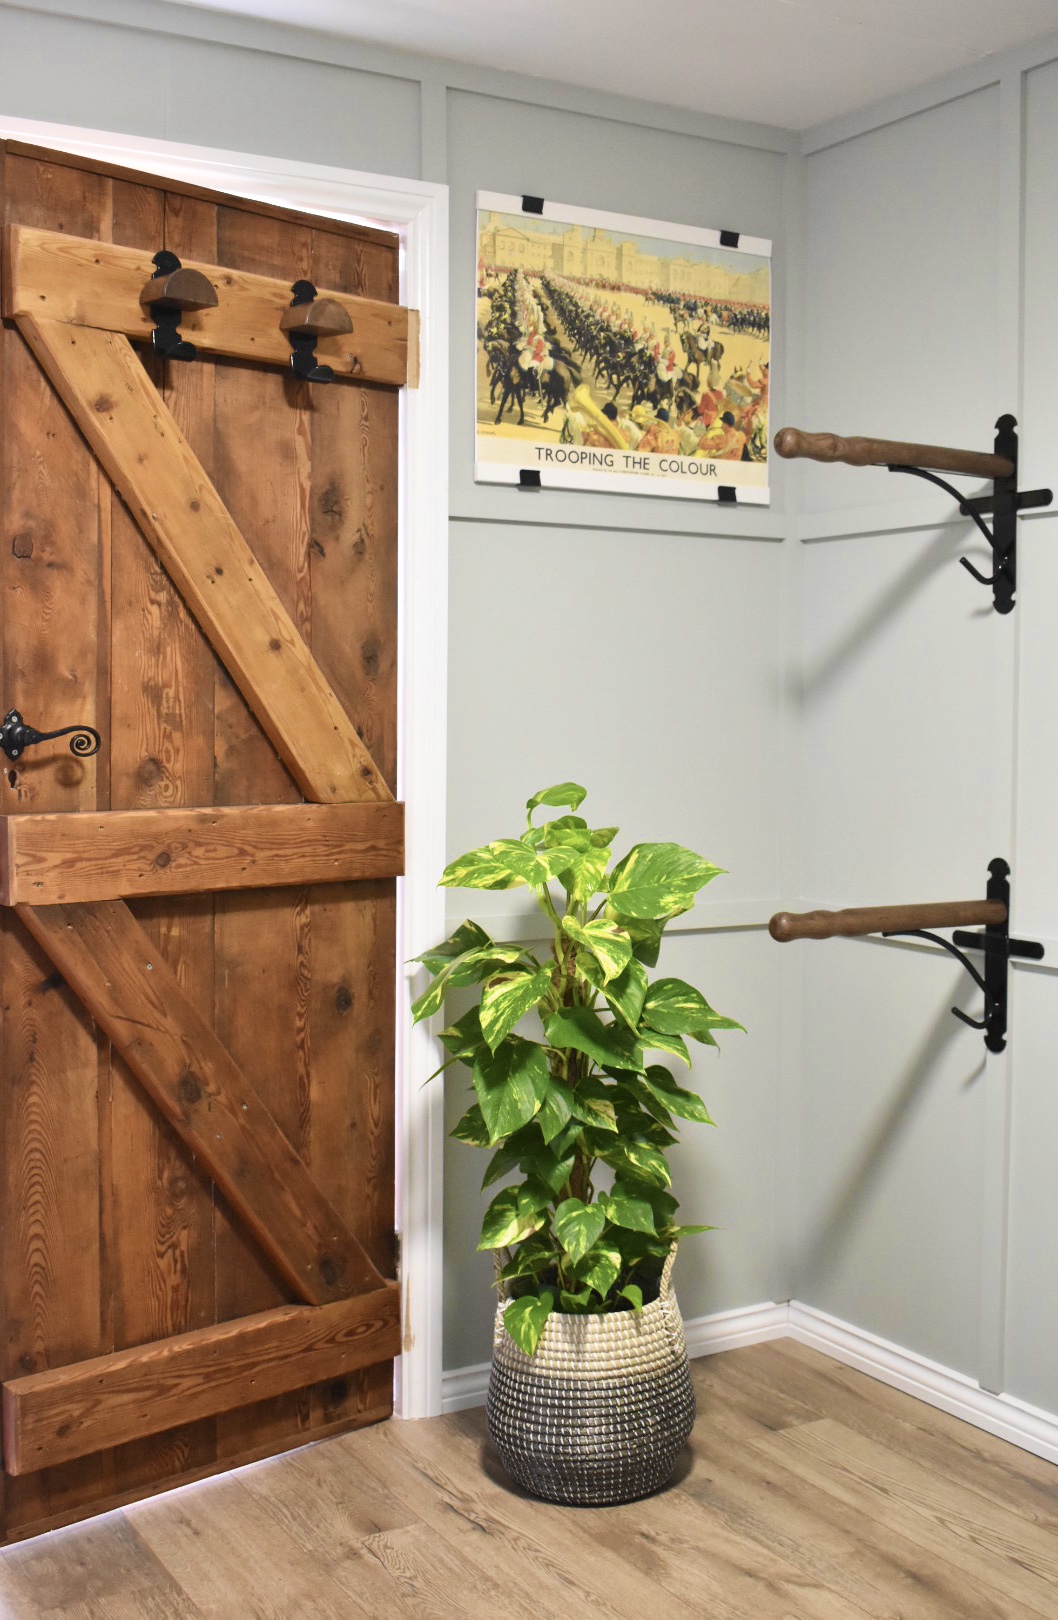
(635, 644)
(926, 1183)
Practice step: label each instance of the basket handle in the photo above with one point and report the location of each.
(666, 1275)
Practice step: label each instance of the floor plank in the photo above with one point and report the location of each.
(808, 1492)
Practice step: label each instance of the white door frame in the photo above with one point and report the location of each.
(418, 211)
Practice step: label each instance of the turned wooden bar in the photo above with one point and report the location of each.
(787, 925)
(794, 444)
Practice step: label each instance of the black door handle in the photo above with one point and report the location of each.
(16, 737)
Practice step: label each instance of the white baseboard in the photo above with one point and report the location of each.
(1002, 1415)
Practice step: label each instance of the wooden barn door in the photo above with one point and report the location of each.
(197, 934)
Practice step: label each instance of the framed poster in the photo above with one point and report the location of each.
(620, 354)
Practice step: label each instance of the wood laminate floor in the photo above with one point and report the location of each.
(809, 1491)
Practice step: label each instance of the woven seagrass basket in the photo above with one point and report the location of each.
(601, 1411)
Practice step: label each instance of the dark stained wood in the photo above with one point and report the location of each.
(53, 276)
(359, 237)
(56, 652)
(108, 961)
(52, 1417)
(353, 561)
(49, 860)
(793, 443)
(264, 940)
(166, 1254)
(139, 444)
(159, 1236)
(787, 925)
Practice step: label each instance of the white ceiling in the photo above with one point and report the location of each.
(788, 62)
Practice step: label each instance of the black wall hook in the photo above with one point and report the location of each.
(998, 948)
(309, 318)
(16, 737)
(171, 291)
(1004, 503)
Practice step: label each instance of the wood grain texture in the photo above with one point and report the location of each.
(192, 1078)
(264, 939)
(186, 197)
(54, 1416)
(54, 628)
(856, 920)
(808, 1492)
(50, 275)
(176, 506)
(157, 1205)
(166, 1253)
(50, 860)
(793, 443)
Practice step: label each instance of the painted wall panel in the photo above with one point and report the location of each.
(902, 797)
(901, 293)
(126, 79)
(1032, 1275)
(645, 667)
(1039, 432)
(892, 1135)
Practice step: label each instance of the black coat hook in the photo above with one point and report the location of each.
(309, 318)
(171, 291)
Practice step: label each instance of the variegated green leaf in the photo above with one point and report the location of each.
(472, 1128)
(463, 1039)
(674, 1045)
(506, 1083)
(645, 934)
(655, 880)
(555, 1110)
(639, 1159)
(514, 1214)
(594, 1108)
(609, 944)
(581, 1030)
(467, 937)
(504, 864)
(470, 968)
(677, 1008)
(526, 1318)
(507, 998)
(634, 1295)
(634, 1214)
(600, 1268)
(578, 1226)
(685, 1104)
(626, 993)
(562, 795)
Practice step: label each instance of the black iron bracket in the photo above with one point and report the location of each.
(16, 737)
(998, 948)
(1004, 503)
(171, 291)
(303, 361)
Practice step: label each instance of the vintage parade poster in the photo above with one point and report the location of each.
(620, 354)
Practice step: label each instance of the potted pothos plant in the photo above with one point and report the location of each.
(590, 1396)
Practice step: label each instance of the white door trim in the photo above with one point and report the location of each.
(418, 211)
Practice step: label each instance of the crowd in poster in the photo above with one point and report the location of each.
(613, 351)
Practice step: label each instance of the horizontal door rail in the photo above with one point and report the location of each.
(794, 444)
(52, 1417)
(788, 925)
(51, 276)
(123, 854)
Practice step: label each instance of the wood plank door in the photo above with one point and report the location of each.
(197, 928)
